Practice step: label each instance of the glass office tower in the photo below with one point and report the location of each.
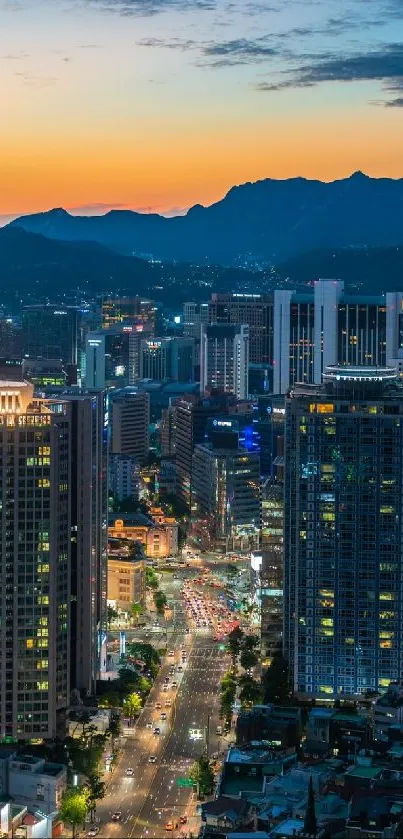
(343, 538)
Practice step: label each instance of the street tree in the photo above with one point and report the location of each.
(151, 578)
(234, 644)
(136, 610)
(96, 793)
(202, 774)
(276, 680)
(160, 601)
(74, 807)
(248, 659)
(251, 691)
(112, 615)
(132, 705)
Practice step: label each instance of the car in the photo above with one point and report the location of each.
(165, 687)
(158, 705)
(169, 825)
(168, 703)
(166, 680)
(129, 772)
(149, 725)
(152, 759)
(157, 730)
(116, 816)
(171, 653)
(163, 716)
(187, 630)
(183, 819)
(174, 685)
(180, 669)
(93, 831)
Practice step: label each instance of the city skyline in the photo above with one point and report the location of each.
(160, 104)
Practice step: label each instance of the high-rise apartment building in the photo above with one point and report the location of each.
(169, 358)
(224, 359)
(271, 569)
(88, 502)
(168, 431)
(35, 458)
(255, 310)
(343, 531)
(129, 416)
(226, 501)
(51, 331)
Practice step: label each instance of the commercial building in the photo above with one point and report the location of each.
(271, 575)
(168, 431)
(194, 315)
(51, 331)
(224, 359)
(35, 457)
(126, 311)
(129, 417)
(124, 476)
(165, 359)
(255, 310)
(36, 783)
(226, 502)
(126, 581)
(112, 357)
(343, 532)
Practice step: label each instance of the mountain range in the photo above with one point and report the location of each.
(263, 223)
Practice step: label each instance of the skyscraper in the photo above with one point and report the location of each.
(256, 310)
(167, 358)
(51, 331)
(35, 454)
(226, 502)
(343, 536)
(125, 311)
(130, 423)
(224, 358)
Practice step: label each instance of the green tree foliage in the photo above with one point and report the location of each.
(112, 615)
(144, 652)
(136, 610)
(248, 659)
(160, 601)
(235, 639)
(251, 691)
(202, 774)
(151, 578)
(110, 700)
(276, 681)
(132, 705)
(96, 793)
(74, 807)
(228, 693)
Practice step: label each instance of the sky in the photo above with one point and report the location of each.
(156, 105)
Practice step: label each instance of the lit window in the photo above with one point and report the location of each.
(384, 683)
(325, 409)
(42, 685)
(29, 643)
(325, 689)
(44, 483)
(386, 595)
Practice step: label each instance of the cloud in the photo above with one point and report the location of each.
(218, 53)
(384, 65)
(149, 8)
(30, 80)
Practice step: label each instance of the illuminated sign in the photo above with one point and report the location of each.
(154, 345)
(195, 734)
(222, 423)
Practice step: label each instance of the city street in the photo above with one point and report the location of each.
(151, 799)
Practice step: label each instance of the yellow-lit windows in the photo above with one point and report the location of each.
(42, 664)
(386, 645)
(326, 622)
(44, 483)
(43, 600)
(29, 643)
(384, 683)
(349, 641)
(325, 689)
(42, 685)
(387, 510)
(325, 408)
(44, 450)
(386, 595)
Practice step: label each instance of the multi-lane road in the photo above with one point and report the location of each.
(150, 799)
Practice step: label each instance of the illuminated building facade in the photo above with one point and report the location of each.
(125, 311)
(255, 310)
(35, 457)
(126, 581)
(130, 423)
(226, 499)
(167, 359)
(51, 331)
(224, 358)
(343, 596)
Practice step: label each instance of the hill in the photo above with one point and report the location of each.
(260, 223)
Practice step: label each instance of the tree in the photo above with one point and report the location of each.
(250, 642)
(74, 807)
(228, 693)
(144, 652)
(234, 644)
(112, 615)
(132, 705)
(96, 793)
(136, 610)
(248, 659)
(110, 700)
(251, 691)
(114, 728)
(160, 601)
(276, 680)
(151, 578)
(202, 774)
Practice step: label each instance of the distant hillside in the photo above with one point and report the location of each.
(33, 266)
(262, 223)
(367, 270)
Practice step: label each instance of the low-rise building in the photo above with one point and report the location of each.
(158, 533)
(334, 731)
(37, 784)
(226, 814)
(248, 769)
(388, 711)
(126, 580)
(273, 724)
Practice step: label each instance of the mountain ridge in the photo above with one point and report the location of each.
(258, 223)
